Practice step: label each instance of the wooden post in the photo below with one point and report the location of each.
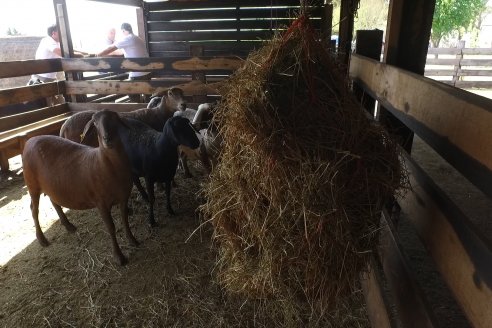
(66, 43)
(142, 25)
(369, 44)
(197, 51)
(457, 67)
(326, 21)
(346, 28)
(407, 40)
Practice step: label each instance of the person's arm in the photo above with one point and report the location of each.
(57, 51)
(106, 51)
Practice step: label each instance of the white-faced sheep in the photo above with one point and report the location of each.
(155, 117)
(102, 176)
(210, 141)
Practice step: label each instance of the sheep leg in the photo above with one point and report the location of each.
(184, 162)
(150, 192)
(124, 218)
(140, 188)
(63, 218)
(109, 223)
(168, 198)
(35, 211)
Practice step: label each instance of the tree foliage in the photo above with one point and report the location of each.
(12, 31)
(454, 15)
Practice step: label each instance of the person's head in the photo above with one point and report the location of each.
(126, 29)
(53, 32)
(111, 34)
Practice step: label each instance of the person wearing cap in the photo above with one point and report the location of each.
(133, 47)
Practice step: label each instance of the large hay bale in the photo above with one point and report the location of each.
(303, 176)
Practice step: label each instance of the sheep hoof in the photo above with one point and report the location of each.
(70, 227)
(122, 260)
(43, 241)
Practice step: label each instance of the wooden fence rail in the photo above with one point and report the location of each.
(463, 68)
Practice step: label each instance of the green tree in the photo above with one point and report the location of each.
(12, 31)
(451, 16)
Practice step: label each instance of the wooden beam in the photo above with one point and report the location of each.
(407, 40)
(134, 3)
(29, 93)
(462, 255)
(14, 121)
(346, 28)
(176, 5)
(454, 122)
(411, 305)
(176, 65)
(127, 87)
(125, 107)
(378, 307)
(28, 67)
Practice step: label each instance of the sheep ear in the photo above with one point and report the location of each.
(86, 129)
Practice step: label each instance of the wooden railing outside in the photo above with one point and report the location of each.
(464, 68)
(456, 125)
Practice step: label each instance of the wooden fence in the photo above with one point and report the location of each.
(463, 68)
(456, 124)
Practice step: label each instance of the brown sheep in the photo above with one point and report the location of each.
(81, 177)
(154, 117)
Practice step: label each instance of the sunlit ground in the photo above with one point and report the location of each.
(482, 92)
(16, 223)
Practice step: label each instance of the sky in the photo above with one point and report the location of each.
(89, 20)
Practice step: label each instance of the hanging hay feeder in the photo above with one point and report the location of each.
(303, 176)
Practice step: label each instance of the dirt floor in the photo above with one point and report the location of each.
(169, 281)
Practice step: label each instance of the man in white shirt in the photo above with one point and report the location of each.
(49, 47)
(132, 47)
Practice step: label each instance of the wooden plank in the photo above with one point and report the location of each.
(10, 138)
(127, 87)
(210, 35)
(180, 5)
(29, 93)
(281, 23)
(442, 61)
(476, 62)
(438, 72)
(28, 67)
(126, 107)
(462, 255)
(167, 65)
(135, 3)
(474, 72)
(14, 121)
(231, 13)
(212, 45)
(477, 51)
(474, 84)
(410, 302)
(443, 51)
(454, 122)
(377, 307)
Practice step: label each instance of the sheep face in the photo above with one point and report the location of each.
(183, 132)
(107, 124)
(175, 99)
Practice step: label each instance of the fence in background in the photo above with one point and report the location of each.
(464, 68)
